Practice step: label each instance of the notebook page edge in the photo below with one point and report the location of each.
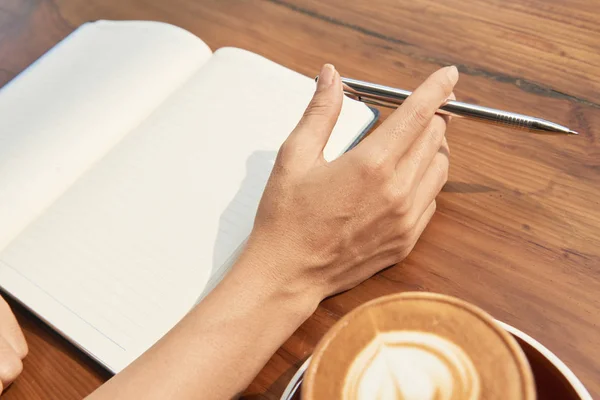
(33, 299)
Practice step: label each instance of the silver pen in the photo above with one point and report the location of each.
(386, 96)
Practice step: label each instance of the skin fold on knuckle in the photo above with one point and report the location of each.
(404, 201)
(403, 212)
(374, 167)
(390, 196)
(418, 116)
(317, 107)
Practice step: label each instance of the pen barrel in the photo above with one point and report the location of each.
(515, 120)
(488, 115)
(384, 96)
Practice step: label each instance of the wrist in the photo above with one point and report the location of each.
(264, 274)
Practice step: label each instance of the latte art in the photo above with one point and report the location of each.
(417, 345)
(411, 365)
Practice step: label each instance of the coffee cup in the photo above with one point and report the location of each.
(418, 346)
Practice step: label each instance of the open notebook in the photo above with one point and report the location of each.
(132, 161)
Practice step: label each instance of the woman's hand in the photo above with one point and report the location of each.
(13, 347)
(322, 227)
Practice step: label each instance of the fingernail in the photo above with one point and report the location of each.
(452, 72)
(325, 77)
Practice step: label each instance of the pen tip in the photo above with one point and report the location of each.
(572, 132)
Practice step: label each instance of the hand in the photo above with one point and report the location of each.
(13, 347)
(321, 227)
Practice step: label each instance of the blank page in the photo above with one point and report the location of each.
(130, 247)
(66, 110)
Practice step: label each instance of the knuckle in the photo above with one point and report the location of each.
(444, 148)
(374, 166)
(435, 134)
(10, 368)
(22, 349)
(431, 143)
(316, 107)
(402, 188)
(404, 205)
(286, 147)
(285, 153)
(410, 222)
(405, 249)
(390, 195)
(420, 115)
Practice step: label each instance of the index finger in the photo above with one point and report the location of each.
(398, 132)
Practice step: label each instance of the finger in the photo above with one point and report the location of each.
(314, 129)
(413, 165)
(401, 129)
(447, 117)
(433, 180)
(10, 363)
(10, 330)
(424, 220)
(418, 229)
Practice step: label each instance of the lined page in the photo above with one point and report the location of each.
(129, 248)
(71, 106)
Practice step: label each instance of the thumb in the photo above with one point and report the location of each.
(313, 130)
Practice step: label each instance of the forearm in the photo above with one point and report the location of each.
(221, 345)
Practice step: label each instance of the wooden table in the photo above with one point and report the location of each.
(517, 230)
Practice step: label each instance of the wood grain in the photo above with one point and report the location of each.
(518, 225)
(497, 39)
